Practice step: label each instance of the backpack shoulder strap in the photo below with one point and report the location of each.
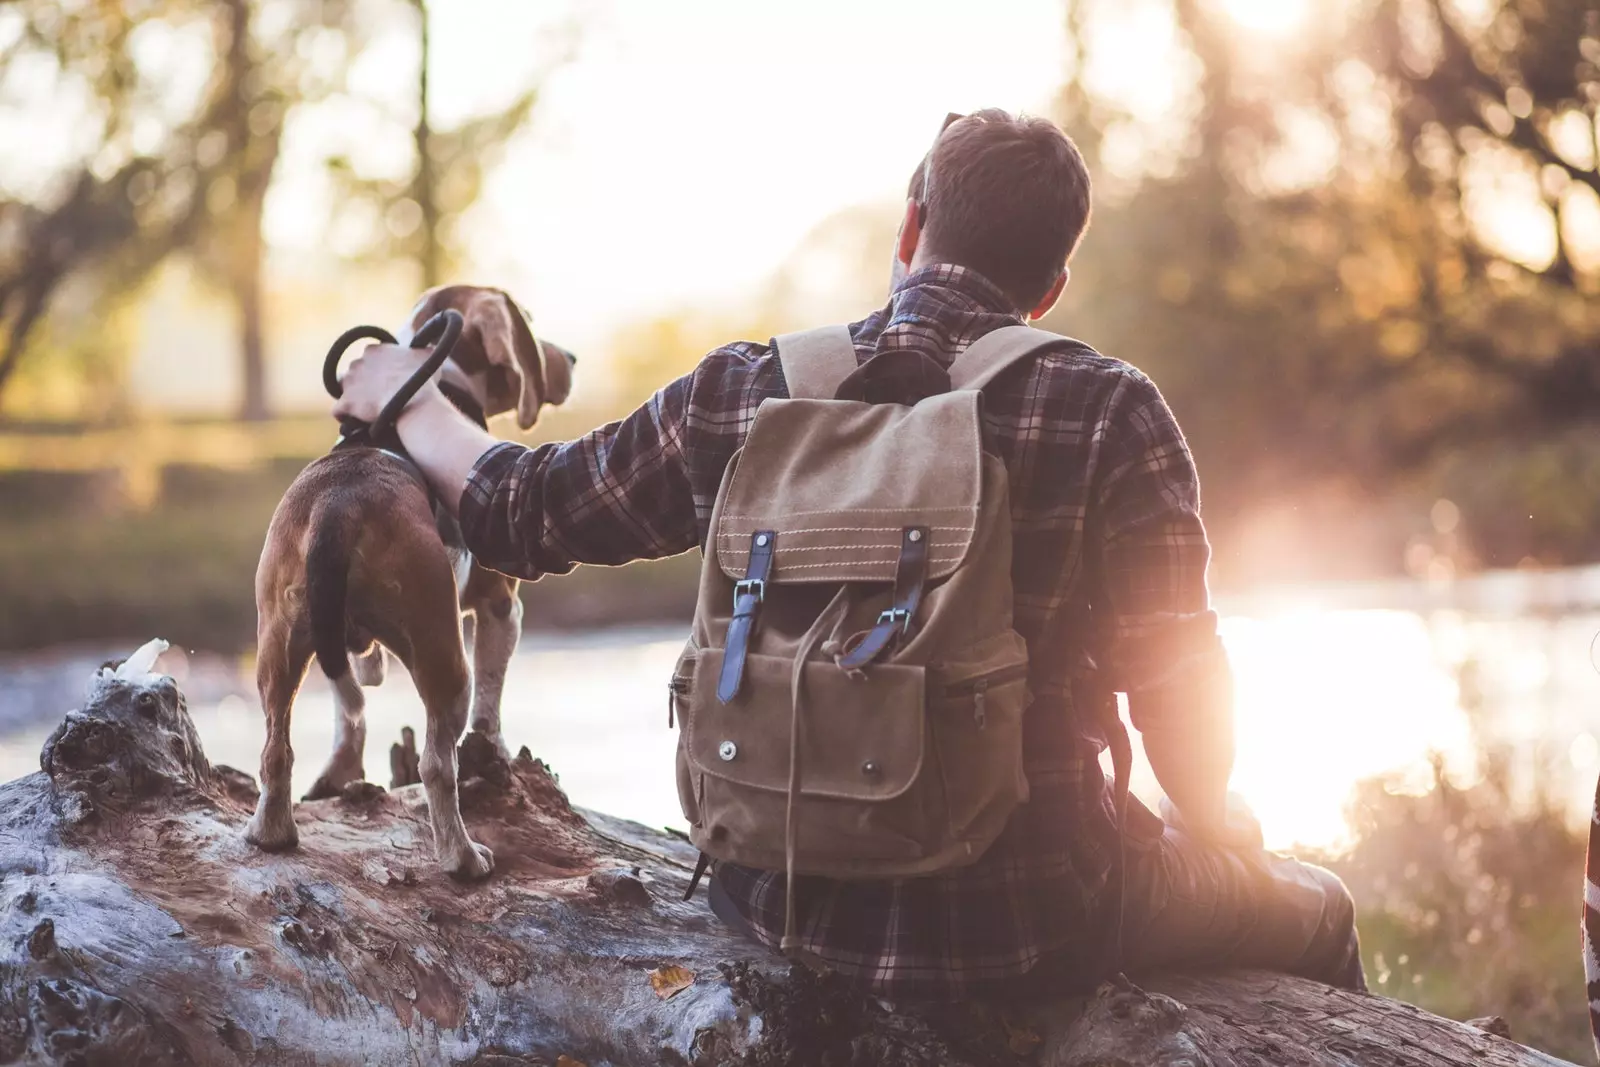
(816, 361)
(996, 350)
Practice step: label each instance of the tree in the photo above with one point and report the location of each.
(165, 169)
(1307, 249)
(418, 215)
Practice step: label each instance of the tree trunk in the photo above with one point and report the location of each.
(247, 296)
(425, 183)
(244, 246)
(137, 927)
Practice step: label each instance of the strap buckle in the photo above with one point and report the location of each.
(756, 587)
(893, 616)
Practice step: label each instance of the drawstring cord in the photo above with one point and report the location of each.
(830, 617)
(1121, 746)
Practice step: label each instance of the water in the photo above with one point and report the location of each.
(1326, 697)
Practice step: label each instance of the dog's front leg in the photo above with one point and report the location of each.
(347, 763)
(497, 613)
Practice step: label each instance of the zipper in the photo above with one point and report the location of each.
(676, 687)
(979, 687)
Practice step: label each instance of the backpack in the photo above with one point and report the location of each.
(850, 701)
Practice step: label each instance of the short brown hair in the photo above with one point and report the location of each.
(1010, 200)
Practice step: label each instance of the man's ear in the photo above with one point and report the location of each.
(910, 233)
(1042, 308)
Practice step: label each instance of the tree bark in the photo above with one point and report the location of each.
(137, 927)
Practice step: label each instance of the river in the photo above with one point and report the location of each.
(1330, 691)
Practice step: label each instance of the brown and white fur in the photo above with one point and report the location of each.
(357, 559)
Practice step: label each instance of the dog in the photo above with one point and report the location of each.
(359, 558)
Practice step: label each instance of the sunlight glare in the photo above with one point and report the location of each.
(1326, 699)
(1271, 17)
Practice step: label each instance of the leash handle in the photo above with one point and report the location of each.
(442, 332)
(330, 363)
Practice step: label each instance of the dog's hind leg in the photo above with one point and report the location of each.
(371, 666)
(498, 614)
(446, 691)
(346, 764)
(282, 659)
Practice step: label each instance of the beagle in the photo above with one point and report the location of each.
(359, 558)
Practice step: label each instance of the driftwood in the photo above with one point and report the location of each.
(137, 927)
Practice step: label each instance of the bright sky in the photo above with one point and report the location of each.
(691, 145)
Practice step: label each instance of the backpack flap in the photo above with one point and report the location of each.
(838, 483)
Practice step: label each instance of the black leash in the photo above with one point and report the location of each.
(442, 332)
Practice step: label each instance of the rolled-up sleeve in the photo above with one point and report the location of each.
(1165, 653)
(618, 494)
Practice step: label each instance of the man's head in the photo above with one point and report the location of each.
(1007, 197)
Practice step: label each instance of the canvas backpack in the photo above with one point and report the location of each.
(850, 701)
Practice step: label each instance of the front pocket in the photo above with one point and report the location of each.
(977, 732)
(864, 787)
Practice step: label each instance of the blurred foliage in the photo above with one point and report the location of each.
(1468, 902)
(1369, 248)
(179, 111)
(160, 162)
(417, 215)
(1468, 895)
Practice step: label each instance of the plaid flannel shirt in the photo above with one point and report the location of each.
(1105, 510)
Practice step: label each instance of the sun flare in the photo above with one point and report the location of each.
(1270, 17)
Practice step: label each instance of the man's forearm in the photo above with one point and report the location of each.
(1185, 722)
(443, 443)
(1193, 762)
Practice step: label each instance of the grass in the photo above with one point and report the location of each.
(1468, 904)
(115, 537)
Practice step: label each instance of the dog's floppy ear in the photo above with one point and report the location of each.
(497, 340)
(544, 369)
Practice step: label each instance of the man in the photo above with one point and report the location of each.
(1109, 564)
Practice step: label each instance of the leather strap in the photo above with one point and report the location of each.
(996, 350)
(909, 579)
(816, 361)
(747, 598)
(700, 866)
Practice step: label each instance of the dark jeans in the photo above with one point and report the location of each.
(1193, 905)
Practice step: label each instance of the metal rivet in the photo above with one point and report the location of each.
(914, 535)
(869, 767)
(761, 540)
(727, 750)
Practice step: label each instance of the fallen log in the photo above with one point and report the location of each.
(138, 928)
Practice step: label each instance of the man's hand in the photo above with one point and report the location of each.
(439, 438)
(375, 376)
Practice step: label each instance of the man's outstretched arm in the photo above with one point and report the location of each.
(615, 495)
(1165, 654)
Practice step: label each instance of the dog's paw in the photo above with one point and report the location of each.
(476, 863)
(331, 783)
(271, 835)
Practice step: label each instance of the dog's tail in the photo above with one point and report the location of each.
(327, 581)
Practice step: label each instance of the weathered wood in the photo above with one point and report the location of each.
(137, 927)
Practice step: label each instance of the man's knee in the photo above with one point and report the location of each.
(1334, 955)
(1340, 905)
